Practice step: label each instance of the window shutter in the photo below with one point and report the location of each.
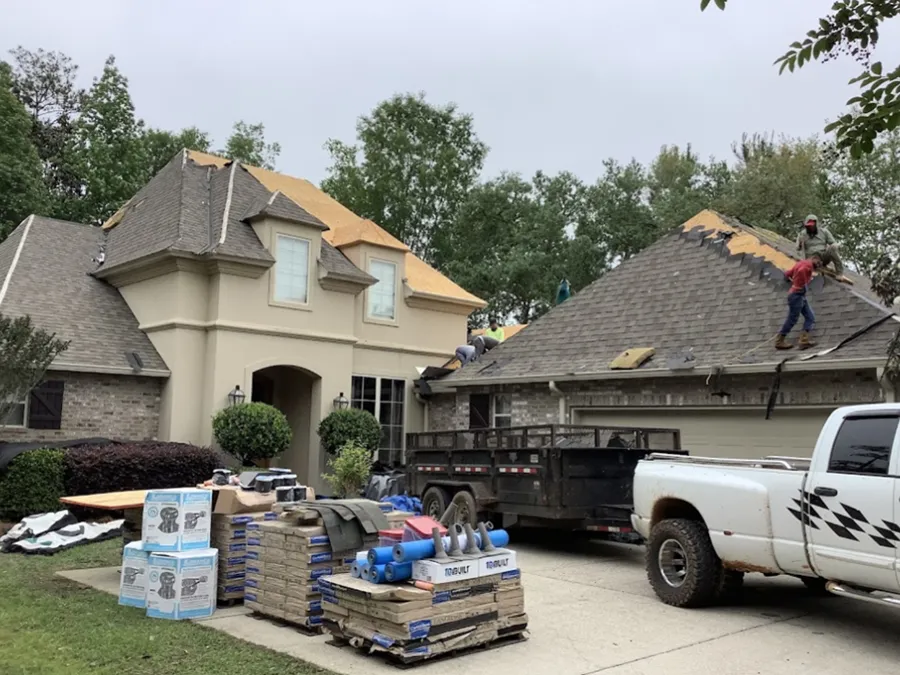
(45, 406)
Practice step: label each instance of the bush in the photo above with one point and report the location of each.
(252, 431)
(32, 483)
(351, 425)
(137, 466)
(350, 470)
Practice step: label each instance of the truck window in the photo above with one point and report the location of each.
(863, 446)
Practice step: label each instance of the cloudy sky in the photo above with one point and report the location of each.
(552, 85)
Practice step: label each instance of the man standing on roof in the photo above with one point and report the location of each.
(799, 275)
(495, 331)
(815, 239)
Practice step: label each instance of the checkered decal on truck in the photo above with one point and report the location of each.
(852, 524)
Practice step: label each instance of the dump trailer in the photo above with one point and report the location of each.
(568, 477)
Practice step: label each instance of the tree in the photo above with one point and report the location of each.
(247, 144)
(45, 83)
(680, 185)
(109, 152)
(161, 146)
(252, 432)
(410, 171)
(25, 354)
(852, 27)
(22, 190)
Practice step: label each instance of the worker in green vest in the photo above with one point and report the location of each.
(814, 239)
(495, 331)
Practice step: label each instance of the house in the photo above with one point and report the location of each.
(218, 277)
(708, 299)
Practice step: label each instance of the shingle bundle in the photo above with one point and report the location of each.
(229, 537)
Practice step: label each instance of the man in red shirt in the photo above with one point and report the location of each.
(799, 275)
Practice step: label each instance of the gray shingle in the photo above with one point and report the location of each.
(683, 292)
(52, 283)
(280, 206)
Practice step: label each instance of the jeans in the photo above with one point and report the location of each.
(797, 305)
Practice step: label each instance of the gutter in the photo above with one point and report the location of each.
(560, 394)
(107, 370)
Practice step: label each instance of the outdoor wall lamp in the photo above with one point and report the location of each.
(341, 402)
(236, 396)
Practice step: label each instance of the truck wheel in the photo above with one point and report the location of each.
(682, 564)
(466, 509)
(435, 502)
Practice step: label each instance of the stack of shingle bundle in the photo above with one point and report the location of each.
(229, 537)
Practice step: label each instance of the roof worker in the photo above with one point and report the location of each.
(465, 354)
(484, 343)
(799, 275)
(495, 331)
(815, 239)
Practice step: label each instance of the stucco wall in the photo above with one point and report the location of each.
(109, 406)
(532, 404)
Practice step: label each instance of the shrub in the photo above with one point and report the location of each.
(351, 425)
(32, 483)
(350, 470)
(137, 466)
(252, 431)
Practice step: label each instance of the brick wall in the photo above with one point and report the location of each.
(109, 406)
(532, 404)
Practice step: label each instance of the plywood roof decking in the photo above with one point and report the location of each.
(108, 501)
(346, 228)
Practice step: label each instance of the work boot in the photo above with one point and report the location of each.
(782, 343)
(805, 341)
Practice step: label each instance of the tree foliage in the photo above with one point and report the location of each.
(161, 146)
(247, 144)
(350, 425)
(252, 431)
(411, 169)
(350, 469)
(25, 354)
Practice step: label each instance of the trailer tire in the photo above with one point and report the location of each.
(466, 508)
(682, 564)
(435, 501)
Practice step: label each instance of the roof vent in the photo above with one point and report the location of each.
(135, 361)
(631, 359)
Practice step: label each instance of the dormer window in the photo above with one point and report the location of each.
(383, 295)
(291, 270)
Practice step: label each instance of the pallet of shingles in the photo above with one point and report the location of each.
(411, 624)
(285, 559)
(229, 536)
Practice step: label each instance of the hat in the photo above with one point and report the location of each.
(811, 217)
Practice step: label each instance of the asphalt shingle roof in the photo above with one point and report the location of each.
(688, 291)
(52, 283)
(279, 206)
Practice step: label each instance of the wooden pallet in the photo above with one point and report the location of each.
(302, 628)
(517, 634)
(229, 602)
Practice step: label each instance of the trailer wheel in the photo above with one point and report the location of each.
(682, 564)
(466, 508)
(435, 502)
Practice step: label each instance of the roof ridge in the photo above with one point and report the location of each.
(181, 198)
(4, 289)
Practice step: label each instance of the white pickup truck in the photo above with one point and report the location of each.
(831, 520)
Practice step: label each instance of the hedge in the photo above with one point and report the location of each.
(32, 483)
(350, 425)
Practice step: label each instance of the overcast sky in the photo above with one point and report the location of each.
(552, 85)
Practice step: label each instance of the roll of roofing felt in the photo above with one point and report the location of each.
(398, 571)
(407, 551)
(380, 555)
(364, 570)
(354, 569)
(376, 574)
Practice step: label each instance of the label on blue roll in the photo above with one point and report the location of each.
(382, 640)
(320, 557)
(419, 629)
(512, 574)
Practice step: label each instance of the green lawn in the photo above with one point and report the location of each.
(50, 625)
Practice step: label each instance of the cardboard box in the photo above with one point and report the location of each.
(440, 571)
(497, 562)
(177, 520)
(134, 576)
(182, 584)
(231, 499)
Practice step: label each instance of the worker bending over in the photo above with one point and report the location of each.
(799, 275)
(815, 239)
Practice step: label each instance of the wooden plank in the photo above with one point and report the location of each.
(111, 501)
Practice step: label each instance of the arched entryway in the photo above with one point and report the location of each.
(296, 392)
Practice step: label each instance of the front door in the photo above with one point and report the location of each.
(853, 532)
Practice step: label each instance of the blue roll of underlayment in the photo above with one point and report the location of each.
(394, 571)
(363, 570)
(376, 574)
(354, 569)
(380, 555)
(408, 551)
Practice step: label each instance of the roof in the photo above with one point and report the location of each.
(346, 228)
(45, 269)
(715, 287)
(283, 208)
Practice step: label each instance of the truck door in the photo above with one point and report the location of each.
(851, 503)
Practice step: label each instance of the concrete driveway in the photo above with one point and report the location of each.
(592, 611)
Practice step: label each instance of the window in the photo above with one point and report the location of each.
(863, 445)
(502, 410)
(17, 416)
(291, 269)
(385, 398)
(382, 295)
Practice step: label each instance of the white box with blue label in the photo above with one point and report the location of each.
(182, 584)
(177, 519)
(134, 576)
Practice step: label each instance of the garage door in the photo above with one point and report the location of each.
(726, 433)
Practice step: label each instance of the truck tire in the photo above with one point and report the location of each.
(466, 508)
(435, 501)
(682, 564)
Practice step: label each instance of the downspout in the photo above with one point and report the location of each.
(421, 399)
(562, 401)
(887, 387)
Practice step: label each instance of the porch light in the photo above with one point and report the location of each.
(341, 402)
(236, 396)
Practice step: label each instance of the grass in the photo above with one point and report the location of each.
(53, 626)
